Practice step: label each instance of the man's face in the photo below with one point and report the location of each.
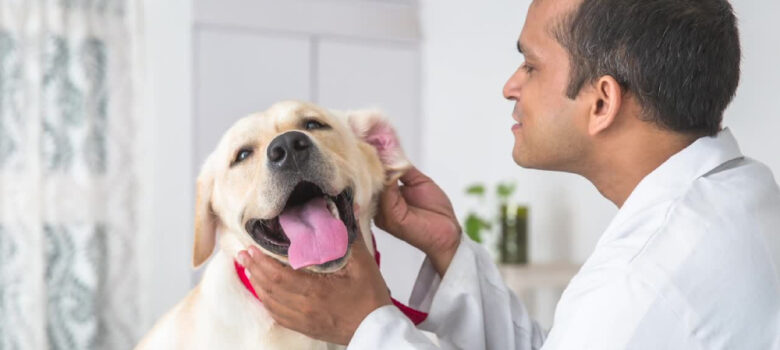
(551, 128)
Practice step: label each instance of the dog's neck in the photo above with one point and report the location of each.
(219, 280)
(231, 306)
(242, 307)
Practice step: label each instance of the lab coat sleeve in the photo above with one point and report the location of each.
(469, 308)
(388, 328)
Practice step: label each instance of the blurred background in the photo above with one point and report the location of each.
(108, 108)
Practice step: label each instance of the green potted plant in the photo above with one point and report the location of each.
(510, 219)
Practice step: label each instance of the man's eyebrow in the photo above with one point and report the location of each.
(523, 50)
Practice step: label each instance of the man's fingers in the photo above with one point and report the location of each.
(360, 253)
(268, 273)
(280, 312)
(390, 196)
(359, 243)
(391, 204)
(265, 289)
(414, 177)
(261, 281)
(293, 319)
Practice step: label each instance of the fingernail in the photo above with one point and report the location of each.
(241, 257)
(252, 252)
(246, 272)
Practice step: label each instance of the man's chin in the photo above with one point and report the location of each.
(524, 161)
(520, 159)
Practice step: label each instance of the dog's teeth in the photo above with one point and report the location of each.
(332, 206)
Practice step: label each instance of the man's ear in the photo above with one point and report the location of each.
(372, 127)
(205, 219)
(608, 98)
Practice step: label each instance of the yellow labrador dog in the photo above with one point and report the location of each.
(289, 181)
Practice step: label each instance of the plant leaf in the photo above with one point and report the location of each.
(476, 190)
(474, 227)
(504, 190)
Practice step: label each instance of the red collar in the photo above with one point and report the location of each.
(416, 316)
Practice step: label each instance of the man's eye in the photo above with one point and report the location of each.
(527, 68)
(241, 155)
(313, 124)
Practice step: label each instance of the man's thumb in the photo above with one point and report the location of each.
(390, 203)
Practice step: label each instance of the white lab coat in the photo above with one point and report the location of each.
(689, 262)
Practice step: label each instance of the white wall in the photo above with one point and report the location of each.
(164, 254)
(754, 116)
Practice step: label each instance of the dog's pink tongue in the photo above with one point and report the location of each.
(316, 237)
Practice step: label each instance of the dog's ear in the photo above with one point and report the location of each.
(205, 219)
(372, 127)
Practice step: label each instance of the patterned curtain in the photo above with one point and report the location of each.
(68, 176)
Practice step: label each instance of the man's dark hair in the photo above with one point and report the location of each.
(679, 58)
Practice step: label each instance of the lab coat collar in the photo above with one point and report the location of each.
(672, 178)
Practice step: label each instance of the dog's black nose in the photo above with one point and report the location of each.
(289, 150)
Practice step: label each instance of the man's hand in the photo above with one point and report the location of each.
(328, 307)
(421, 214)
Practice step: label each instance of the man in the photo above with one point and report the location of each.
(630, 95)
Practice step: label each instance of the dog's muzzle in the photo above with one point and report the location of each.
(317, 223)
(314, 228)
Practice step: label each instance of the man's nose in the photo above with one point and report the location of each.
(512, 86)
(289, 151)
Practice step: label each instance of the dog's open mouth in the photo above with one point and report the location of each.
(314, 228)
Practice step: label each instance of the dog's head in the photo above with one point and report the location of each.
(291, 179)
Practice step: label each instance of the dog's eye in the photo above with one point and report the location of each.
(242, 154)
(313, 125)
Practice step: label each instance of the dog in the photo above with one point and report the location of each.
(299, 182)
